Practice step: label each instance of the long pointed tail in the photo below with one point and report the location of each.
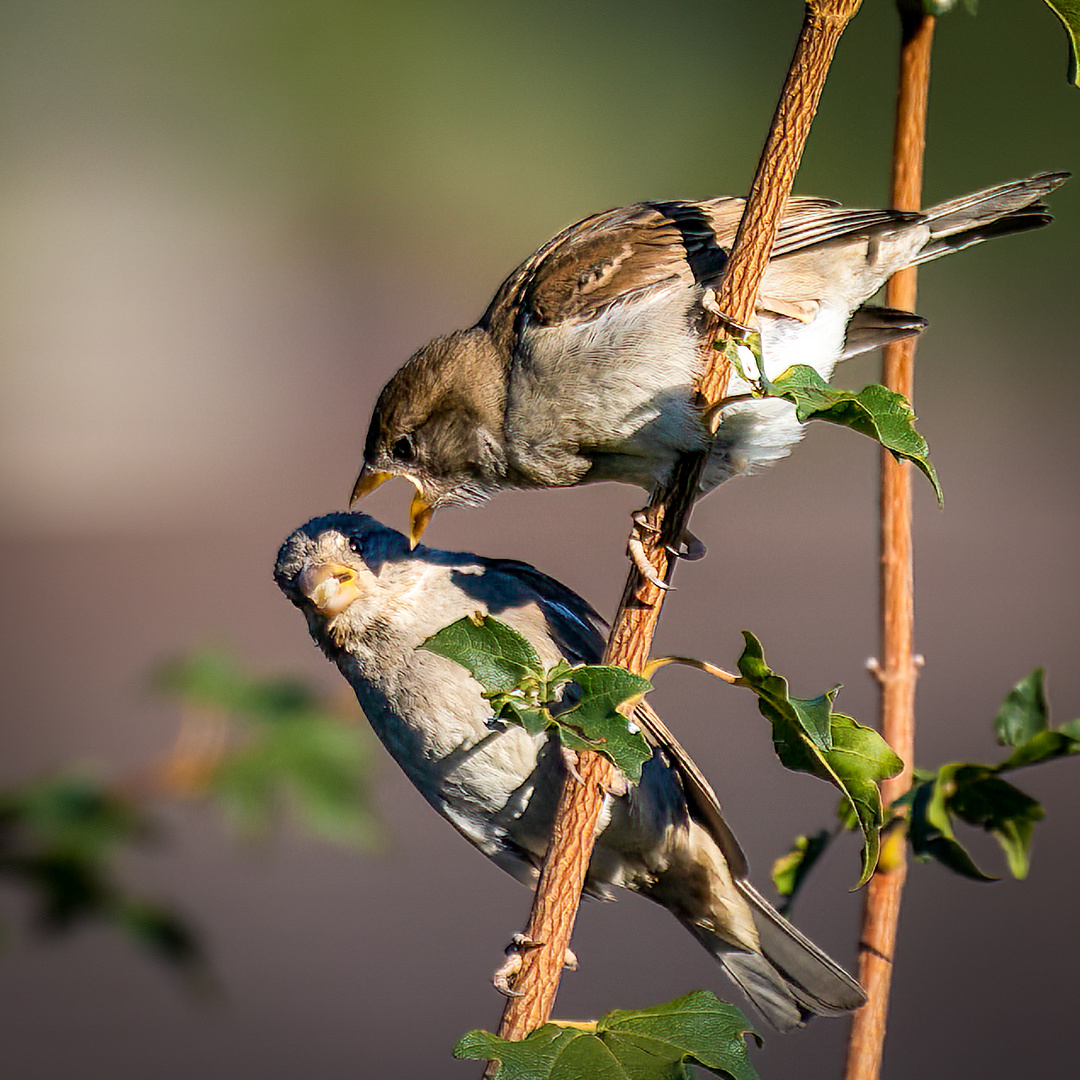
(791, 979)
(1013, 207)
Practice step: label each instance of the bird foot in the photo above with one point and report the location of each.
(512, 965)
(635, 548)
(570, 760)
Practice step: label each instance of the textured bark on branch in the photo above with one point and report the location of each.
(558, 893)
(897, 671)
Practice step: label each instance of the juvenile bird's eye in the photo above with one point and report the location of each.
(404, 449)
(357, 545)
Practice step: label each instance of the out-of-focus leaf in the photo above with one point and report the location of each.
(875, 411)
(1068, 11)
(60, 837)
(286, 747)
(1023, 713)
(1045, 746)
(495, 654)
(790, 870)
(159, 930)
(857, 758)
(985, 800)
(641, 1044)
(319, 767)
(932, 835)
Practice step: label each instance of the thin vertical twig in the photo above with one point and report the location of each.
(558, 893)
(898, 671)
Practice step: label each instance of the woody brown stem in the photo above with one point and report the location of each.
(898, 670)
(558, 893)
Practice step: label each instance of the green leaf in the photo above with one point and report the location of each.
(932, 835)
(875, 411)
(319, 767)
(1045, 746)
(859, 759)
(810, 715)
(596, 716)
(790, 870)
(508, 668)
(496, 655)
(810, 737)
(1068, 11)
(287, 747)
(1023, 713)
(641, 1044)
(1071, 729)
(60, 838)
(982, 799)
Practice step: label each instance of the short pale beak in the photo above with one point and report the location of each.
(367, 482)
(331, 587)
(420, 511)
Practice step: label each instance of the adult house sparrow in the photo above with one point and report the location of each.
(582, 367)
(371, 601)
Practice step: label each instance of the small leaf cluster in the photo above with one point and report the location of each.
(263, 741)
(658, 1043)
(60, 839)
(972, 792)
(977, 795)
(875, 411)
(285, 747)
(580, 702)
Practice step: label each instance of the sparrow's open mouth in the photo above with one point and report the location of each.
(331, 587)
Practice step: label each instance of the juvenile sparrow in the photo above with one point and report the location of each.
(582, 367)
(371, 601)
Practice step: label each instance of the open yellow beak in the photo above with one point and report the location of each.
(367, 482)
(420, 512)
(331, 587)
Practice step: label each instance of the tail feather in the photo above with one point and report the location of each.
(1013, 207)
(820, 984)
(872, 327)
(791, 979)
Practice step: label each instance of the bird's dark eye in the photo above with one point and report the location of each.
(357, 545)
(404, 449)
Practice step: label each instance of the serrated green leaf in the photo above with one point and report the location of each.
(643, 1044)
(596, 715)
(875, 411)
(1023, 713)
(495, 654)
(1068, 12)
(790, 870)
(811, 715)
(853, 758)
(859, 759)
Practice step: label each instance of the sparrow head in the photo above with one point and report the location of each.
(439, 423)
(340, 570)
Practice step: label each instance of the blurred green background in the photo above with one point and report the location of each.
(227, 223)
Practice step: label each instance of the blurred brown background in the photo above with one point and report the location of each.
(227, 223)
